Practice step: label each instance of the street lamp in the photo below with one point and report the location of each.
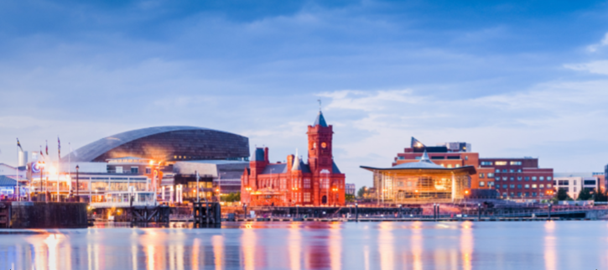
(77, 184)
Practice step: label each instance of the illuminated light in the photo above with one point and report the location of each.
(151, 162)
(466, 192)
(52, 170)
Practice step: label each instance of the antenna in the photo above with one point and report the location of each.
(319, 100)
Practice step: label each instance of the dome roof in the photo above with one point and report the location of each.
(424, 163)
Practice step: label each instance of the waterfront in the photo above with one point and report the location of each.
(386, 245)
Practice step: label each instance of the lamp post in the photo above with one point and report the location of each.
(77, 184)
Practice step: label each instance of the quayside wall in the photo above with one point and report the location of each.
(48, 215)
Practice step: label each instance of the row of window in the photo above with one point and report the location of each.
(520, 194)
(501, 163)
(508, 171)
(519, 178)
(585, 182)
(524, 186)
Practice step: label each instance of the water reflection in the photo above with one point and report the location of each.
(299, 246)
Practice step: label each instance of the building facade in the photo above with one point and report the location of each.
(317, 182)
(510, 177)
(421, 181)
(573, 183)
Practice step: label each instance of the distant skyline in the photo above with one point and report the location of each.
(514, 79)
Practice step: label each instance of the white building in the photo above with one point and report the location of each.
(575, 182)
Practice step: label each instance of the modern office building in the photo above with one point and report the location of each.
(510, 177)
(421, 181)
(574, 182)
(316, 182)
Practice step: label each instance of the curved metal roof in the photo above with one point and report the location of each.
(424, 163)
(91, 151)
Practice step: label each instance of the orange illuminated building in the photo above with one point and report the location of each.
(315, 183)
(510, 177)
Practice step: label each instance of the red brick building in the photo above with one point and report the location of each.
(510, 177)
(317, 182)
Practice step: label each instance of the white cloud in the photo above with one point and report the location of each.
(597, 46)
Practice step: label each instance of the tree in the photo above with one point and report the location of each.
(349, 198)
(562, 195)
(232, 197)
(584, 195)
(361, 192)
(601, 197)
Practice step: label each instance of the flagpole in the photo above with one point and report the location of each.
(58, 166)
(17, 176)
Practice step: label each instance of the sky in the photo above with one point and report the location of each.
(513, 78)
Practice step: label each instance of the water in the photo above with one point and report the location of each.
(387, 245)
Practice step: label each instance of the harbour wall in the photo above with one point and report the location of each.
(47, 215)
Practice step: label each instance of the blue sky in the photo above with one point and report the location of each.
(526, 78)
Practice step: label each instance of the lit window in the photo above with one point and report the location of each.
(517, 163)
(481, 175)
(500, 163)
(307, 183)
(490, 175)
(541, 186)
(527, 186)
(549, 185)
(306, 197)
(482, 183)
(457, 165)
(534, 186)
(449, 165)
(490, 184)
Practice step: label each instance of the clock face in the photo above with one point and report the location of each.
(323, 145)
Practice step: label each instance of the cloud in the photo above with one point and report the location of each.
(595, 47)
(596, 67)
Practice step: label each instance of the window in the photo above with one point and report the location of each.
(542, 178)
(466, 157)
(486, 163)
(490, 175)
(500, 163)
(527, 194)
(533, 194)
(511, 178)
(148, 170)
(589, 182)
(526, 186)
(482, 183)
(457, 165)
(533, 178)
(324, 183)
(519, 170)
(511, 171)
(497, 179)
(518, 194)
(548, 185)
(562, 182)
(481, 175)
(118, 169)
(504, 170)
(541, 186)
(307, 185)
(504, 186)
(516, 163)
(574, 182)
(518, 186)
(548, 178)
(519, 178)
(497, 170)
(527, 178)
(134, 170)
(504, 178)
(449, 165)
(533, 185)
(575, 189)
(512, 186)
(490, 184)
(306, 197)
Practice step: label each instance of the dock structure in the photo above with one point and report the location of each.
(5, 215)
(206, 214)
(145, 214)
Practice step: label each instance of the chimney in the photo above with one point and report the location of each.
(266, 154)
